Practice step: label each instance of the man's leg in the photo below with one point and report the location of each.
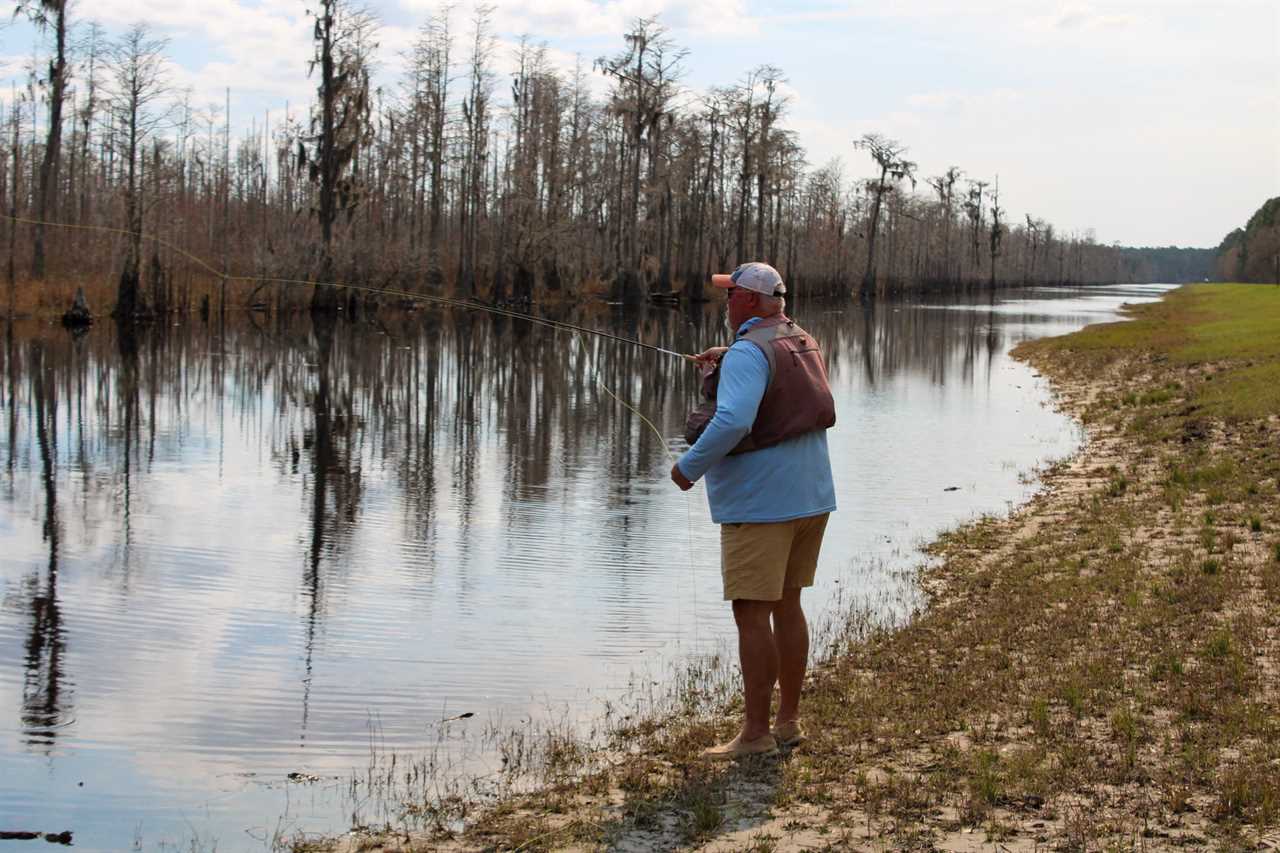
(791, 635)
(758, 655)
(790, 630)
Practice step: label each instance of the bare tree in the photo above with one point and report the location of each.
(944, 186)
(894, 167)
(90, 47)
(645, 74)
(475, 114)
(15, 121)
(432, 53)
(996, 237)
(771, 109)
(45, 14)
(1039, 233)
(744, 114)
(974, 212)
(138, 81)
(706, 201)
(339, 125)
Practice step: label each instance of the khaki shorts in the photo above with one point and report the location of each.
(757, 561)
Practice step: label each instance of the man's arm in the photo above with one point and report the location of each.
(744, 375)
(709, 355)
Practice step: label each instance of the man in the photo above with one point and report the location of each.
(769, 485)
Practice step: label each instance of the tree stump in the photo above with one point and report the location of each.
(78, 315)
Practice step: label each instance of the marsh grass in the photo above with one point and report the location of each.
(48, 299)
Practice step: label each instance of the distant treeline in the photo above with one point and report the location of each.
(1252, 253)
(439, 184)
(1171, 264)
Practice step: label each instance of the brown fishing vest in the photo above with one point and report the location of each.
(797, 399)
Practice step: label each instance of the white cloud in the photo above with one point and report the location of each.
(1080, 16)
(12, 68)
(954, 102)
(574, 19)
(1133, 171)
(219, 44)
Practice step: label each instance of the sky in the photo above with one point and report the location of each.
(1148, 122)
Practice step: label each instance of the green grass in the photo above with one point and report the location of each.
(1231, 330)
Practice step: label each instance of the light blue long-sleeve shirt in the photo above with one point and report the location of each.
(778, 483)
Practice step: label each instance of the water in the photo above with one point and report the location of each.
(228, 558)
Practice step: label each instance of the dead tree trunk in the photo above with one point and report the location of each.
(45, 200)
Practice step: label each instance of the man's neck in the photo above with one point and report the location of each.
(756, 319)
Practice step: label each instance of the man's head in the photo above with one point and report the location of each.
(753, 290)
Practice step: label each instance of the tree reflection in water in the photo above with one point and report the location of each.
(44, 699)
(449, 415)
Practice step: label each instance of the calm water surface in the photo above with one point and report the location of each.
(227, 557)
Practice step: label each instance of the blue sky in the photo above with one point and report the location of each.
(1148, 122)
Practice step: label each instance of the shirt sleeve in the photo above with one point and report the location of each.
(744, 376)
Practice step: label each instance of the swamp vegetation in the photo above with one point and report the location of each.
(613, 178)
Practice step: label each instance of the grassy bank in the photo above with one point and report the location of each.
(1100, 670)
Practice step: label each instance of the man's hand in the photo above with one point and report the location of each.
(680, 479)
(709, 356)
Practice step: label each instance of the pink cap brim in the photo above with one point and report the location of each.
(722, 280)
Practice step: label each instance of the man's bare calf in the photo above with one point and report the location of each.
(773, 648)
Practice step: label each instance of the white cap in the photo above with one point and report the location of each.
(756, 276)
